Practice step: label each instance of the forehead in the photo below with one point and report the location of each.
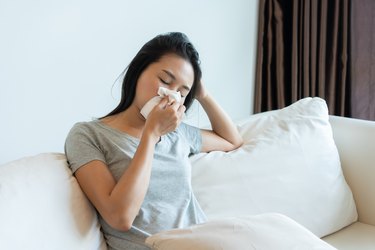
(178, 66)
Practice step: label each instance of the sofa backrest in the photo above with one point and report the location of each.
(355, 141)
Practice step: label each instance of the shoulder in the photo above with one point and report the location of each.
(192, 136)
(187, 130)
(82, 131)
(82, 145)
(84, 128)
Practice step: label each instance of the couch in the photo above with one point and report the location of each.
(43, 207)
(355, 140)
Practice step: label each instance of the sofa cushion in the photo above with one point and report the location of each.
(265, 231)
(354, 237)
(43, 207)
(288, 164)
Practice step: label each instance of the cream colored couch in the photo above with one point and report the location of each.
(42, 206)
(355, 140)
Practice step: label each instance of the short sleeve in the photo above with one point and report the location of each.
(81, 147)
(193, 137)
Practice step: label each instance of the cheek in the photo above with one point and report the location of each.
(147, 87)
(145, 91)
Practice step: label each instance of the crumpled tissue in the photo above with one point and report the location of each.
(162, 92)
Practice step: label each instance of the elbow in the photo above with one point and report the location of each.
(233, 145)
(237, 143)
(124, 226)
(120, 221)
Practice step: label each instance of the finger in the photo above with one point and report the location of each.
(171, 101)
(181, 112)
(163, 103)
(175, 105)
(181, 109)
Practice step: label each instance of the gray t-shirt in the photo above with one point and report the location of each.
(169, 202)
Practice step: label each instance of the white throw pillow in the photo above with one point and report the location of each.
(288, 164)
(43, 207)
(266, 231)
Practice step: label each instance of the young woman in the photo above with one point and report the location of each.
(136, 171)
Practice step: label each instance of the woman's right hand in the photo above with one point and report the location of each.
(164, 118)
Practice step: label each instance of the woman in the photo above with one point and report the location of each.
(136, 171)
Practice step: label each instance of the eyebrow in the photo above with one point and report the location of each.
(174, 78)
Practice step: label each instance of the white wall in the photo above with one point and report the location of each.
(59, 60)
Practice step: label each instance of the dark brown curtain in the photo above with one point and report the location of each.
(303, 50)
(363, 59)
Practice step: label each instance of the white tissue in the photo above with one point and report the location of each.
(162, 92)
(173, 95)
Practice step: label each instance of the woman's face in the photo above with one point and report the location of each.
(171, 71)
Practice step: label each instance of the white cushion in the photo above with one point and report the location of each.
(266, 231)
(288, 164)
(43, 207)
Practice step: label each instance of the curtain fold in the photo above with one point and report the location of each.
(303, 50)
(363, 59)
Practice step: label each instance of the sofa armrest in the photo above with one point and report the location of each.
(355, 140)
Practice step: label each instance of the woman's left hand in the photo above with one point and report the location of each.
(201, 91)
(224, 135)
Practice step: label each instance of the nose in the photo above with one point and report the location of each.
(172, 92)
(173, 87)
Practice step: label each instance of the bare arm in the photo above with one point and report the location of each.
(224, 135)
(119, 203)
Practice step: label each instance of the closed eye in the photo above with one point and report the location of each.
(163, 81)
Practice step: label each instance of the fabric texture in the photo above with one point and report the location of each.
(169, 202)
(265, 231)
(42, 207)
(288, 164)
(363, 59)
(303, 50)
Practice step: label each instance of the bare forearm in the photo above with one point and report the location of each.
(221, 123)
(130, 190)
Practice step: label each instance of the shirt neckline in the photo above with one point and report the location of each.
(114, 130)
